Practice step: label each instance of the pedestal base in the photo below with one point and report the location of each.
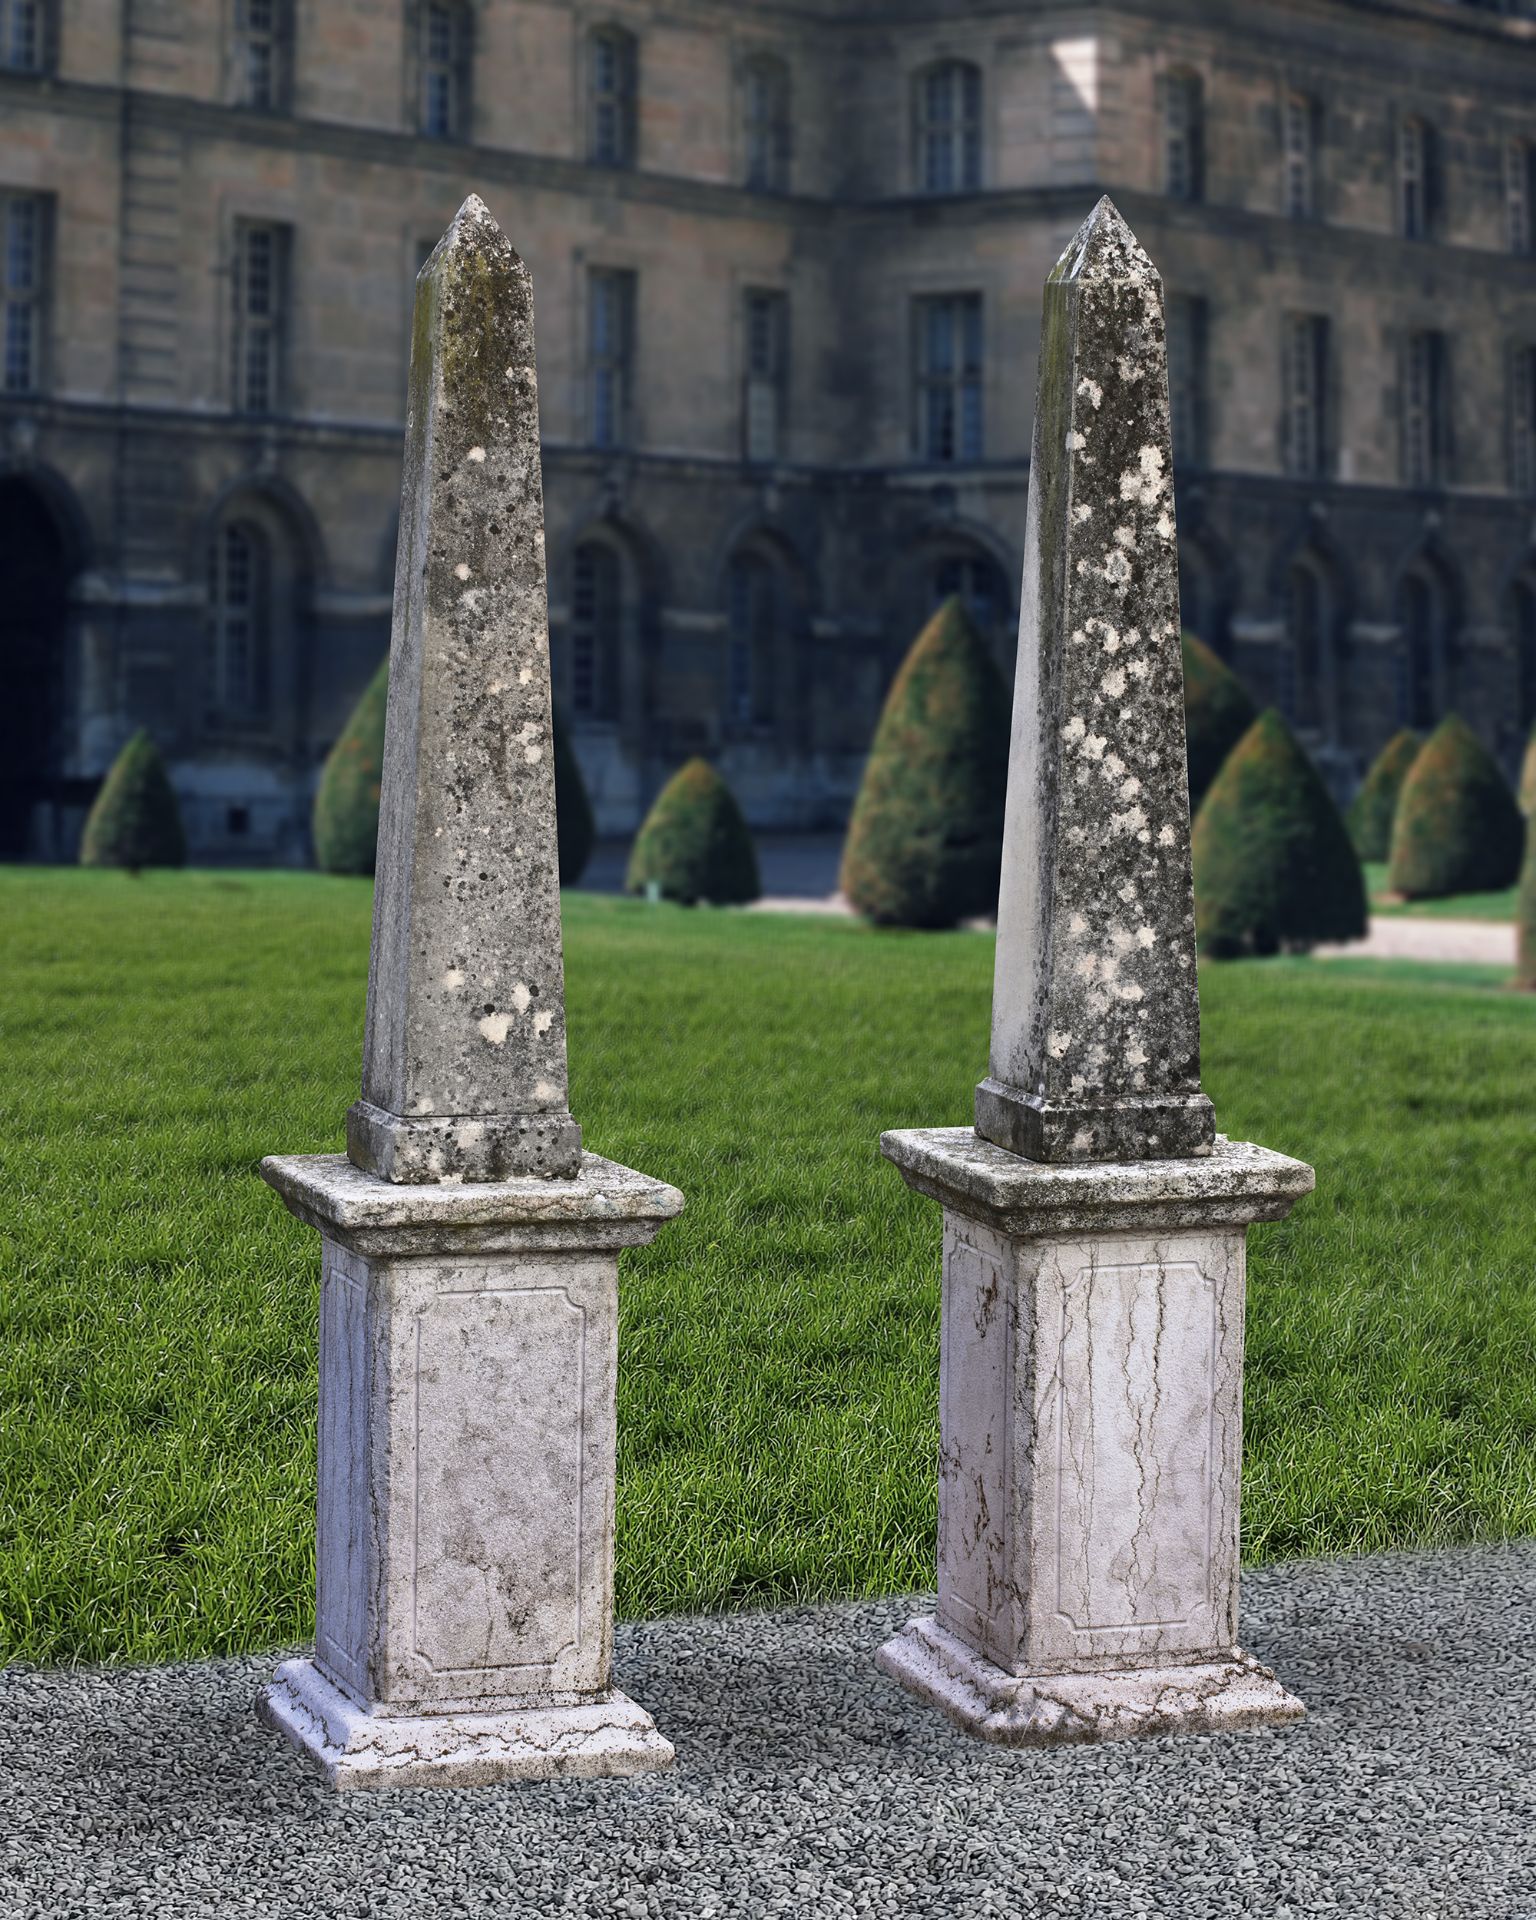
(1047, 1710)
(354, 1748)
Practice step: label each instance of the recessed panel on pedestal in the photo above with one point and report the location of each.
(1129, 1454)
(498, 1405)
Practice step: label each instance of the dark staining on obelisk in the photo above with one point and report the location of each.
(1096, 1015)
(464, 1073)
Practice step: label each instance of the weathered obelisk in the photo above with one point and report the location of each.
(1094, 1221)
(469, 1277)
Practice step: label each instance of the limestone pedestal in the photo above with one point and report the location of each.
(1091, 1442)
(468, 1366)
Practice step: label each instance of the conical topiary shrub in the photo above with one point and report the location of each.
(1274, 867)
(574, 826)
(1217, 713)
(695, 844)
(1373, 808)
(346, 816)
(1457, 827)
(1525, 914)
(925, 842)
(135, 821)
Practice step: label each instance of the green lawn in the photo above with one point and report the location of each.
(778, 1392)
(1460, 906)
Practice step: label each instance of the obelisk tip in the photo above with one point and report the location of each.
(1105, 248)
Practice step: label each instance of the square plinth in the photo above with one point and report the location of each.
(1222, 1695)
(606, 1736)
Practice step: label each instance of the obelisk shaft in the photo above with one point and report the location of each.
(464, 1070)
(1095, 1013)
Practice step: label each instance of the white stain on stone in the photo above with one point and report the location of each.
(542, 1022)
(494, 1026)
(1146, 936)
(1056, 1044)
(1114, 682)
(1144, 484)
(1082, 513)
(454, 977)
(1165, 836)
(477, 454)
(524, 675)
(1076, 441)
(543, 1091)
(521, 997)
(461, 571)
(423, 1105)
(1092, 390)
(1074, 730)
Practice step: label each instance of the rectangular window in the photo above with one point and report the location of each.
(1183, 136)
(611, 90)
(1424, 410)
(1413, 179)
(610, 336)
(261, 54)
(1306, 395)
(1519, 193)
(1300, 124)
(949, 128)
(1522, 420)
(767, 330)
(261, 300)
(1186, 378)
(22, 26)
(23, 234)
(444, 70)
(947, 362)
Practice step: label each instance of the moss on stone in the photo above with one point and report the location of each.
(345, 821)
(575, 828)
(694, 844)
(1217, 713)
(1374, 807)
(1274, 867)
(135, 821)
(1457, 828)
(925, 841)
(1528, 776)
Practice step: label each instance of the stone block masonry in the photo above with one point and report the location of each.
(470, 1248)
(1094, 1221)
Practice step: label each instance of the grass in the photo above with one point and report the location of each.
(1459, 906)
(778, 1398)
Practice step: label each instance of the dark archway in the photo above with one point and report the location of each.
(34, 582)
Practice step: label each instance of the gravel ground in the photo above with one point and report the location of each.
(807, 1784)
(1487, 943)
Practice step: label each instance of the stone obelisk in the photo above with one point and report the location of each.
(1094, 1221)
(469, 1273)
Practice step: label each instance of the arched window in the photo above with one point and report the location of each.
(611, 87)
(1183, 118)
(1308, 623)
(1420, 617)
(445, 70)
(1415, 178)
(23, 36)
(756, 624)
(948, 128)
(766, 123)
(597, 630)
(1522, 622)
(240, 612)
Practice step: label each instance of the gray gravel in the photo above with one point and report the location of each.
(807, 1784)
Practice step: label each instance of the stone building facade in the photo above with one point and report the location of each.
(788, 261)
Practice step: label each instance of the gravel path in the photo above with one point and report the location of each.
(1488, 943)
(807, 1784)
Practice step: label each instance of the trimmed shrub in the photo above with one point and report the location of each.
(1274, 867)
(1217, 713)
(1528, 776)
(925, 842)
(135, 821)
(575, 828)
(1374, 807)
(695, 844)
(1457, 828)
(1525, 914)
(345, 822)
